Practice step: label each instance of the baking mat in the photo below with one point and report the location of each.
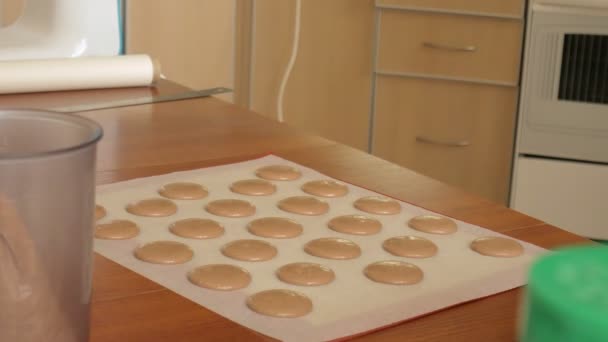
(350, 305)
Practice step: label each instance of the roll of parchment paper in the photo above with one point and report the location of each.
(28, 76)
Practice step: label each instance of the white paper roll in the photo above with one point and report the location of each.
(28, 76)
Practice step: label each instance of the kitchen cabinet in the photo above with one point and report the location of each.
(460, 133)
(504, 8)
(458, 46)
(446, 78)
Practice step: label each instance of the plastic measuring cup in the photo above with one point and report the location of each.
(47, 199)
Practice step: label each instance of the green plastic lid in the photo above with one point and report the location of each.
(567, 297)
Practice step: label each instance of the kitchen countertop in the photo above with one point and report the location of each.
(153, 139)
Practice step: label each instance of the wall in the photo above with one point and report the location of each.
(193, 39)
(9, 11)
(329, 90)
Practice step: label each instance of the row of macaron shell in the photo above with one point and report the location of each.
(251, 187)
(304, 205)
(258, 187)
(234, 208)
(288, 303)
(280, 227)
(226, 277)
(275, 227)
(331, 248)
(299, 273)
(262, 187)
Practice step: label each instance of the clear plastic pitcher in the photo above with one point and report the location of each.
(47, 199)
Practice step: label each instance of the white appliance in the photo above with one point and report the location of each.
(560, 170)
(63, 28)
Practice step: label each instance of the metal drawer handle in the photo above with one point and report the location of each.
(426, 140)
(470, 48)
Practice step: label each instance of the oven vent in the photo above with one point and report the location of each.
(584, 70)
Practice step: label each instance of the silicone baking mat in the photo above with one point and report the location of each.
(352, 304)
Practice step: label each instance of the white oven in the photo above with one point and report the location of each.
(560, 170)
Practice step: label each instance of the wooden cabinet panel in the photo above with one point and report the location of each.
(505, 7)
(456, 132)
(450, 45)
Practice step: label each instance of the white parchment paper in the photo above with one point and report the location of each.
(350, 305)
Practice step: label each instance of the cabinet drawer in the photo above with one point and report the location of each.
(450, 45)
(459, 133)
(491, 7)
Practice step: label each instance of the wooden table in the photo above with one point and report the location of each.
(154, 139)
